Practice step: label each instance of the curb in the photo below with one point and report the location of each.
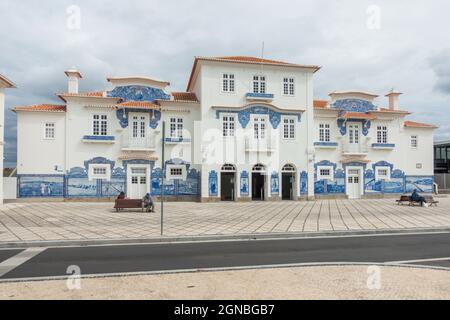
(212, 238)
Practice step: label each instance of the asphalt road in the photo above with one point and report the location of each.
(226, 254)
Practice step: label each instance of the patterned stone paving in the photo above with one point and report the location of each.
(87, 221)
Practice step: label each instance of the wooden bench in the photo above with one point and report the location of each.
(407, 199)
(128, 204)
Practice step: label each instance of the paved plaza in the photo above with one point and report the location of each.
(54, 221)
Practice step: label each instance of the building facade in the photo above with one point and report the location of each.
(5, 83)
(245, 129)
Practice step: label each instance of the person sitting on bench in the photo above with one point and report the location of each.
(121, 196)
(419, 199)
(147, 203)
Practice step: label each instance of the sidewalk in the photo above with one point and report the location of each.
(70, 221)
(325, 282)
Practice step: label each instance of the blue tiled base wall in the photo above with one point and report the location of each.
(76, 184)
(399, 182)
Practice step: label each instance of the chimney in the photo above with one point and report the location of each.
(73, 74)
(393, 99)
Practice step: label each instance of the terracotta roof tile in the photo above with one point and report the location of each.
(392, 111)
(358, 115)
(42, 108)
(320, 104)
(184, 96)
(413, 124)
(83, 94)
(138, 105)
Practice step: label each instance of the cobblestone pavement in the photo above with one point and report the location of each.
(87, 221)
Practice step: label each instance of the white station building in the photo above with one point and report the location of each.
(245, 129)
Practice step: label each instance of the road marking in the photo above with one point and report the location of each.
(20, 258)
(419, 260)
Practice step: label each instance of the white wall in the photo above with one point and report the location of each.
(9, 188)
(35, 154)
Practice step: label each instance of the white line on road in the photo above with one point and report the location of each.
(419, 260)
(20, 258)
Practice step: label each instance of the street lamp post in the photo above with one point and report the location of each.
(163, 166)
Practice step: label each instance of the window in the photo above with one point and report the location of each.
(228, 126)
(259, 128)
(176, 128)
(228, 82)
(419, 166)
(382, 173)
(259, 84)
(100, 125)
(325, 173)
(324, 132)
(175, 172)
(49, 130)
(99, 171)
(382, 134)
(289, 128)
(288, 86)
(414, 142)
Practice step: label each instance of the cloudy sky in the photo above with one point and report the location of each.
(368, 45)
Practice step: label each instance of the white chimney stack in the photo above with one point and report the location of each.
(73, 74)
(393, 99)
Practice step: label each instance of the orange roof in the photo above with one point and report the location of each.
(248, 60)
(184, 96)
(358, 115)
(320, 104)
(42, 108)
(92, 94)
(138, 105)
(412, 124)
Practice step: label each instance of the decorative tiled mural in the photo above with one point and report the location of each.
(423, 184)
(40, 186)
(244, 184)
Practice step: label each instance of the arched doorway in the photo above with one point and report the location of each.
(288, 182)
(228, 182)
(259, 182)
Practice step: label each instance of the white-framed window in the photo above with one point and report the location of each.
(99, 171)
(49, 130)
(288, 128)
(259, 84)
(325, 172)
(259, 128)
(289, 86)
(228, 82)
(382, 134)
(228, 125)
(176, 172)
(324, 132)
(382, 173)
(176, 128)
(100, 125)
(414, 141)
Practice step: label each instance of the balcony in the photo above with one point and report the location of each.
(355, 149)
(383, 146)
(130, 143)
(177, 140)
(325, 145)
(259, 96)
(260, 145)
(98, 139)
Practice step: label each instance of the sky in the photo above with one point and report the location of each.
(361, 45)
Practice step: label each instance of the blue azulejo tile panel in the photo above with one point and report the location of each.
(138, 93)
(274, 184)
(420, 183)
(40, 186)
(212, 184)
(113, 187)
(244, 184)
(303, 182)
(81, 187)
(354, 105)
(99, 138)
(190, 186)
